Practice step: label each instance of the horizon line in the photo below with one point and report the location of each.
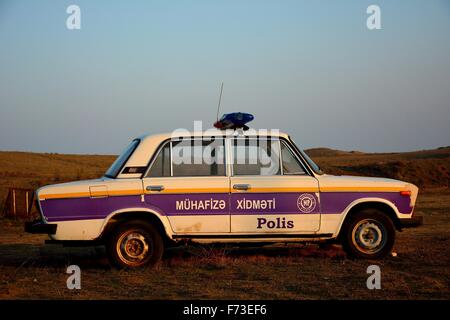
(307, 149)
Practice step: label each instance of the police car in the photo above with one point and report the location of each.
(225, 185)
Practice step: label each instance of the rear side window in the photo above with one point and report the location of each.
(190, 158)
(161, 165)
(198, 157)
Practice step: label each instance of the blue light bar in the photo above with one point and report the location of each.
(234, 120)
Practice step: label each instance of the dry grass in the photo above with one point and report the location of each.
(421, 270)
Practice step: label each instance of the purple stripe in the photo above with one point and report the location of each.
(165, 204)
(86, 208)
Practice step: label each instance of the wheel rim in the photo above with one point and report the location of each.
(134, 247)
(369, 236)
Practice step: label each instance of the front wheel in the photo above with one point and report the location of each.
(368, 234)
(134, 244)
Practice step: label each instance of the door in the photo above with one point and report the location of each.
(271, 191)
(187, 182)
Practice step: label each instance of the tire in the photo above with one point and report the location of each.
(134, 244)
(368, 234)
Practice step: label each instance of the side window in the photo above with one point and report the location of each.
(161, 165)
(198, 157)
(256, 156)
(290, 162)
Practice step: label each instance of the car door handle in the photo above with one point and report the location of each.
(241, 186)
(154, 188)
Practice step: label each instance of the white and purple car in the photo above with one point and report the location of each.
(228, 186)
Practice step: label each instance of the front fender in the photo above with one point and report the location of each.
(367, 200)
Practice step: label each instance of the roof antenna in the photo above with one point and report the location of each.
(234, 120)
(220, 100)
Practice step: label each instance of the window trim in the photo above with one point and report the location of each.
(170, 142)
(228, 155)
(171, 157)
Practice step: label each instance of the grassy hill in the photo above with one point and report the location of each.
(32, 170)
(427, 168)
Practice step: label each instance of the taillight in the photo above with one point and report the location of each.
(406, 193)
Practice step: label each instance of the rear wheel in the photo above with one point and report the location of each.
(134, 244)
(368, 234)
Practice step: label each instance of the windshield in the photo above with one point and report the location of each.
(311, 163)
(115, 168)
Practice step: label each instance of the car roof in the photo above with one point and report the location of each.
(215, 132)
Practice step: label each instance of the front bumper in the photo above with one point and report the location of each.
(414, 222)
(40, 227)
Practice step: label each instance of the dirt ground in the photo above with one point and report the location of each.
(31, 270)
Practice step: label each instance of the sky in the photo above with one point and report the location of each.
(309, 68)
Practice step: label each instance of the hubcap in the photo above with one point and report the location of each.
(369, 236)
(133, 247)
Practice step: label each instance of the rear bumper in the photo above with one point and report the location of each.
(413, 222)
(40, 227)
